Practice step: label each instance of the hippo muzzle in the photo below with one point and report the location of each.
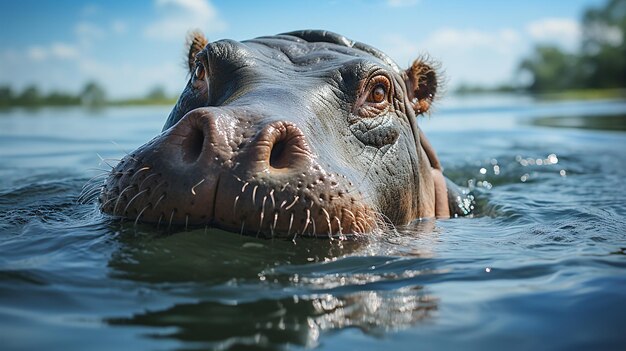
(304, 133)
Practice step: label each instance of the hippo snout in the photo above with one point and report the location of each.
(236, 170)
(210, 138)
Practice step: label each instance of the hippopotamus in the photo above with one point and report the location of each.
(302, 133)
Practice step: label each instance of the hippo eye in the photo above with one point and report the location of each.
(199, 72)
(375, 98)
(378, 94)
(379, 89)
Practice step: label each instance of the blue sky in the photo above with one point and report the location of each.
(132, 46)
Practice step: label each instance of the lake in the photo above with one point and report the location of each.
(542, 265)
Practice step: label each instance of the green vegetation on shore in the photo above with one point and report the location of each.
(583, 94)
(156, 96)
(92, 95)
(567, 94)
(596, 70)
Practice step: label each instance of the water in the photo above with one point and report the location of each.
(542, 267)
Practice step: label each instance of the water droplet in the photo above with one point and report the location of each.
(552, 159)
(563, 173)
(483, 171)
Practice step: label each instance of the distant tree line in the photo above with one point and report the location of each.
(473, 89)
(600, 62)
(91, 95)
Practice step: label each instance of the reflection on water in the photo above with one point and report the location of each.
(285, 293)
(544, 257)
(291, 320)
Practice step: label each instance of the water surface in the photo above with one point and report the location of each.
(542, 265)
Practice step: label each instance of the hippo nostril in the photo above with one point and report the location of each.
(192, 145)
(287, 145)
(278, 157)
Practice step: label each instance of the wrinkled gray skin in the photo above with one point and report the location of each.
(279, 137)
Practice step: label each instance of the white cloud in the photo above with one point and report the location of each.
(64, 51)
(119, 27)
(402, 3)
(467, 55)
(59, 51)
(402, 50)
(90, 10)
(561, 31)
(468, 39)
(195, 6)
(128, 79)
(37, 53)
(87, 33)
(180, 16)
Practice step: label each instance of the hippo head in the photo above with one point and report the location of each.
(304, 133)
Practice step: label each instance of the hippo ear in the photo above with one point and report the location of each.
(421, 82)
(195, 42)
